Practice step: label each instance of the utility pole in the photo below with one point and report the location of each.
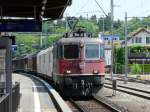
(112, 46)
(103, 25)
(41, 37)
(66, 24)
(87, 16)
(41, 41)
(126, 50)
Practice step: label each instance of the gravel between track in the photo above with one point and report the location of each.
(130, 102)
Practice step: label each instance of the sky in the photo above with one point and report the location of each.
(87, 8)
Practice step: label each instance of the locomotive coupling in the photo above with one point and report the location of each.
(82, 83)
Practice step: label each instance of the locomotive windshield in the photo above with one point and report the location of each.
(92, 51)
(71, 51)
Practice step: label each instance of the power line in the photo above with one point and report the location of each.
(101, 8)
(83, 7)
(97, 11)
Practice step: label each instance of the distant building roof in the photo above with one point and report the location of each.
(138, 31)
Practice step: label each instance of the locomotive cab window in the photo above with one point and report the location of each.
(59, 51)
(92, 51)
(71, 51)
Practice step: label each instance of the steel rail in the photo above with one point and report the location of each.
(99, 101)
(132, 80)
(79, 107)
(135, 89)
(129, 92)
(106, 104)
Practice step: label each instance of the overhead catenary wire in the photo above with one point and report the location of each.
(95, 11)
(92, 11)
(83, 6)
(101, 8)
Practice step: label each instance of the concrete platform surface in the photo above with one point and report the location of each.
(34, 95)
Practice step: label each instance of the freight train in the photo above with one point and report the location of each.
(75, 64)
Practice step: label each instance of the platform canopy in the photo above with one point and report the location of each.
(33, 8)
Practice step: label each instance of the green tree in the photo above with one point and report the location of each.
(93, 19)
(107, 23)
(54, 38)
(89, 26)
(117, 24)
(25, 41)
(119, 54)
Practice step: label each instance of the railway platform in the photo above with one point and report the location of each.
(34, 96)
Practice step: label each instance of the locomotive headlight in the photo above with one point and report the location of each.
(81, 45)
(95, 71)
(68, 71)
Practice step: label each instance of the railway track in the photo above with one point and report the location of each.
(96, 104)
(140, 90)
(129, 90)
(121, 78)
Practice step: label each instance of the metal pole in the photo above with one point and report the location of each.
(34, 8)
(1, 12)
(143, 66)
(8, 44)
(46, 38)
(87, 16)
(87, 21)
(41, 40)
(103, 25)
(112, 51)
(126, 50)
(66, 24)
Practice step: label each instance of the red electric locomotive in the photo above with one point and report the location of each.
(78, 64)
(75, 64)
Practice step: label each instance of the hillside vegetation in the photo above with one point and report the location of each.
(54, 30)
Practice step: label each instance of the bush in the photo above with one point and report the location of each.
(119, 69)
(136, 69)
(146, 67)
(138, 49)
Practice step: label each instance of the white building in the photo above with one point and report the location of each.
(107, 42)
(108, 55)
(140, 37)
